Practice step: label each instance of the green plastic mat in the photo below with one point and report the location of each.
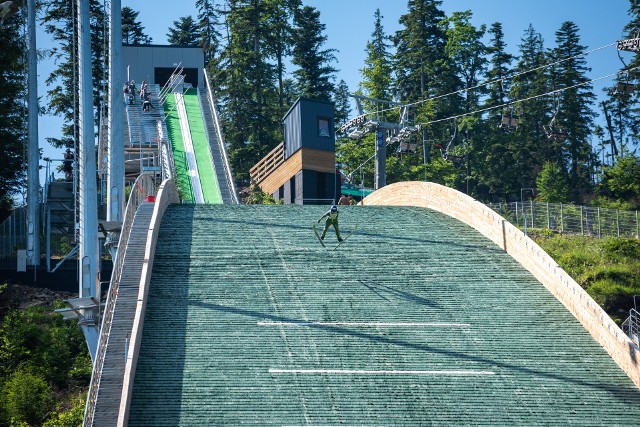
(177, 144)
(416, 320)
(208, 179)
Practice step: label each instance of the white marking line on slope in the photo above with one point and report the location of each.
(309, 425)
(374, 324)
(376, 372)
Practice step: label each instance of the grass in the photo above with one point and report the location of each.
(608, 269)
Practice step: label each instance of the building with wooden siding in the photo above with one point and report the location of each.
(302, 170)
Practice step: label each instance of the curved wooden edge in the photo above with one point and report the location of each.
(524, 250)
(167, 194)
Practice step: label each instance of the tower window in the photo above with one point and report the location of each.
(323, 127)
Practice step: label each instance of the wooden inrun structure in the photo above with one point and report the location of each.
(273, 171)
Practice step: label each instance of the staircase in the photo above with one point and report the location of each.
(110, 383)
(216, 149)
(145, 133)
(60, 209)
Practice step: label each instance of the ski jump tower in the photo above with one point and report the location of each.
(302, 170)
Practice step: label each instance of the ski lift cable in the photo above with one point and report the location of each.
(502, 79)
(482, 110)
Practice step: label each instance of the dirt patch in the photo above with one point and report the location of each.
(19, 296)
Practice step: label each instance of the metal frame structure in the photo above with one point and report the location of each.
(366, 123)
(87, 195)
(33, 178)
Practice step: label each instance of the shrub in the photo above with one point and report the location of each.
(27, 397)
(607, 268)
(622, 248)
(72, 417)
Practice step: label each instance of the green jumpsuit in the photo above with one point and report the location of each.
(332, 219)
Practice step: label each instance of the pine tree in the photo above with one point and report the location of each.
(499, 66)
(314, 71)
(423, 71)
(342, 104)
(184, 32)
(280, 43)
(466, 59)
(377, 71)
(247, 90)
(13, 116)
(622, 104)
(466, 53)
(497, 150)
(209, 35)
(530, 147)
(60, 22)
(575, 100)
(552, 183)
(132, 30)
(419, 50)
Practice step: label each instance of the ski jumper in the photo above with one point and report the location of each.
(332, 219)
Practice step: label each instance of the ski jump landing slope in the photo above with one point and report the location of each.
(418, 319)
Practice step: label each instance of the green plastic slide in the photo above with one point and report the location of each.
(208, 179)
(179, 156)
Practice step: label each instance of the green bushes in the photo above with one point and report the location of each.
(45, 369)
(27, 397)
(608, 269)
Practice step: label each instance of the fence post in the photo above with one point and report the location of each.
(532, 221)
(618, 221)
(637, 227)
(517, 219)
(581, 223)
(561, 219)
(599, 233)
(548, 218)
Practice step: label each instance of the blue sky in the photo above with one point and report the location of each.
(349, 24)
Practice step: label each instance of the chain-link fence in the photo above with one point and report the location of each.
(573, 219)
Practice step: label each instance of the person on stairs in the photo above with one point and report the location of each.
(332, 219)
(146, 105)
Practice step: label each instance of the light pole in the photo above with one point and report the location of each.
(524, 211)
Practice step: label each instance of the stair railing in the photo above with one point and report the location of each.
(175, 80)
(166, 154)
(221, 144)
(144, 186)
(631, 326)
(166, 88)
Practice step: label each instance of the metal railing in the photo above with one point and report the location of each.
(631, 326)
(13, 234)
(221, 144)
(144, 186)
(175, 79)
(572, 219)
(166, 154)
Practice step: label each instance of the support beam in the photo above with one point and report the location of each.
(88, 254)
(33, 175)
(115, 148)
(381, 160)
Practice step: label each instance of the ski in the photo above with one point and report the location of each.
(345, 239)
(315, 230)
